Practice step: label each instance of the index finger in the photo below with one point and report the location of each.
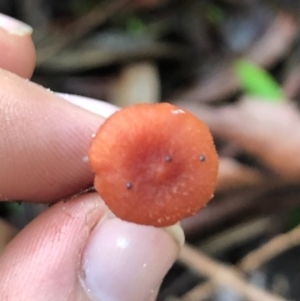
(44, 142)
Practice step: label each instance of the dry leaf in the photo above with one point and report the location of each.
(222, 82)
(233, 175)
(270, 132)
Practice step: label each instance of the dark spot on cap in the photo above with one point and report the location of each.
(168, 158)
(202, 158)
(128, 185)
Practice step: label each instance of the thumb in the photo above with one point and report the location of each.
(76, 251)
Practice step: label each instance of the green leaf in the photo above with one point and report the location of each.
(257, 82)
(293, 219)
(215, 14)
(136, 26)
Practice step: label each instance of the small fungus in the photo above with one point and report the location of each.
(133, 143)
(202, 158)
(128, 185)
(168, 158)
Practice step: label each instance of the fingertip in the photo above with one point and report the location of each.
(17, 54)
(135, 257)
(16, 47)
(24, 64)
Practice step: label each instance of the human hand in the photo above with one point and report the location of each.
(74, 250)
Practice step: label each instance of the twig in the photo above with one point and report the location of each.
(222, 275)
(270, 250)
(200, 292)
(273, 197)
(223, 209)
(234, 175)
(237, 235)
(77, 29)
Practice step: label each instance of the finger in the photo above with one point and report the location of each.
(73, 251)
(44, 142)
(16, 47)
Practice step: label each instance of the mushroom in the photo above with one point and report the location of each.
(155, 164)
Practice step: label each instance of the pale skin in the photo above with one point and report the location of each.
(74, 250)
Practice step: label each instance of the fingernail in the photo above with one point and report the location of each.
(13, 26)
(125, 261)
(99, 107)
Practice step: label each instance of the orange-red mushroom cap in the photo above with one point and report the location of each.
(154, 163)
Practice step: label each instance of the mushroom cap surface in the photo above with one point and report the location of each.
(155, 164)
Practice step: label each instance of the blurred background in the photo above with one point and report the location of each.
(233, 63)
